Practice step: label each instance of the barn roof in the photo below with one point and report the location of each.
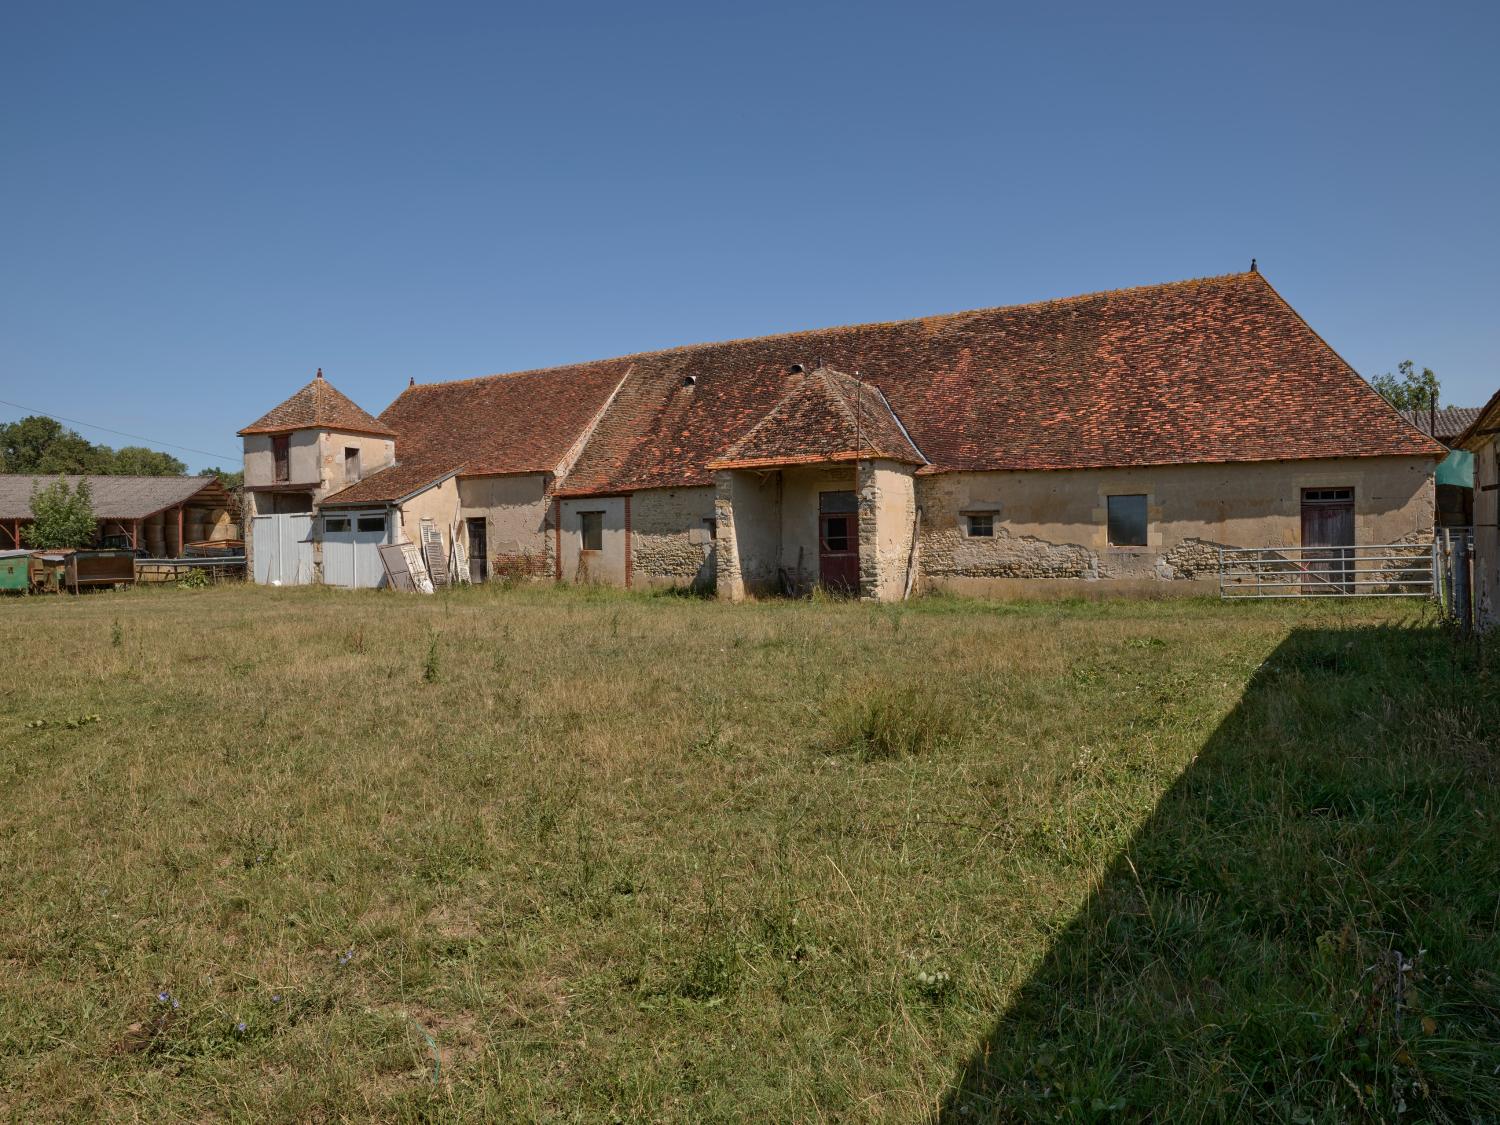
(1213, 370)
(526, 422)
(1219, 369)
(114, 498)
(318, 406)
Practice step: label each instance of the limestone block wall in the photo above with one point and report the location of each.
(672, 537)
(747, 510)
(1054, 525)
(375, 453)
(887, 514)
(517, 518)
(304, 458)
(801, 489)
(440, 503)
(611, 564)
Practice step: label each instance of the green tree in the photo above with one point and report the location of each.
(38, 444)
(42, 446)
(1409, 390)
(138, 461)
(234, 481)
(60, 516)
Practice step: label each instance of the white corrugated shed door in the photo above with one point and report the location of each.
(351, 549)
(283, 549)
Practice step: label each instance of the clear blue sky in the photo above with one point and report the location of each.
(204, 202)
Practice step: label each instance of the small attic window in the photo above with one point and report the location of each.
(281, 457)
(795, 369)
(690, 380)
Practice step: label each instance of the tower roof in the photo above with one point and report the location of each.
(318, 406)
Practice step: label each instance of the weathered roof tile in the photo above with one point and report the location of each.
(318, 406)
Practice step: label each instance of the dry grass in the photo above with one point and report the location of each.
(580, 855)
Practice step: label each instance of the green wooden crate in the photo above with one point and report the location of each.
(15, 570)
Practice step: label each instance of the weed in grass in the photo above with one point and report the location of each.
(431, 667)
(116, 634)
(890, 720)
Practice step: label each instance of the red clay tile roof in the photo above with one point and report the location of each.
(395, 482)
(318, 406)
(1214, 370)
(528, 422)
(824, 416)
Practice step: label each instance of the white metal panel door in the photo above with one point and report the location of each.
(264, 544)
(283, 549)
(338, 550)
(351, 549)
(296, 555)
(369, 533)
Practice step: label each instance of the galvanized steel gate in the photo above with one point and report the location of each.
(1375, 570)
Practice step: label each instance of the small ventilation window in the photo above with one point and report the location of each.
(1127, 520)
(591, 530)
(1328, 495)
(982, 525)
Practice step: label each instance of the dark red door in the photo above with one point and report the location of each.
(838, 542)
(1328, 539)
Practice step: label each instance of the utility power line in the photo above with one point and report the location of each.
(231, 457)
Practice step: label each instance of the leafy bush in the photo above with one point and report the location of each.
(60, 516)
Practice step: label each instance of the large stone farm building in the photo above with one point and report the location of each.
(1125, 434)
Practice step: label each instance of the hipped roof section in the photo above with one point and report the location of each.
(825, 415)
(318, 406)
(528, 422)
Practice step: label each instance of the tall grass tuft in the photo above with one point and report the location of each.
(883, 720)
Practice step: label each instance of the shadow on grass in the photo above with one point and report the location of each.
(1306, 927)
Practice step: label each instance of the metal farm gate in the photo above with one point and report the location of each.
(1375, 570)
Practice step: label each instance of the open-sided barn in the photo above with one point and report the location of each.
(156, 514)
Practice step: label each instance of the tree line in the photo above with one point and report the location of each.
(42, 446)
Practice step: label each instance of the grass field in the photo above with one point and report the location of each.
(580, 855)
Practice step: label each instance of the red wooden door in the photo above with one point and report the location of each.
(838, 542)
(1328, 528)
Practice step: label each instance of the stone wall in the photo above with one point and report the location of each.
(671, 537)
(517, 516)
(1054, 525)
(887, 514)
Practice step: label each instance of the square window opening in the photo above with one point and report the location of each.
(1127, 520)
(591, 530)
(982, 525)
